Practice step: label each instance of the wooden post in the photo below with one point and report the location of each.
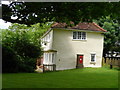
(54, 67)
(111, 66)
(104, 59)
(43, 68)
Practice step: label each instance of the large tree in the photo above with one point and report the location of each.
(34, 12)
(112, 36)
(21, 47)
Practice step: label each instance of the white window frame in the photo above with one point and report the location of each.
(81, 34)
(53, 58)
(94, 57)
(49, 58)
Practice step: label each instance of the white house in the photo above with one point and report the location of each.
(73, 47)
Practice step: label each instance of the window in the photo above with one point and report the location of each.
(45, 39)
(93, 57)
(79, 35)
(49, 58)
(74, 35)
(44, 61)
(83, 35)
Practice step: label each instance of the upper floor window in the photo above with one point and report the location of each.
(79, 35)
(47, 38)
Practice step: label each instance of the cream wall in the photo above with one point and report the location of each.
(67, 49)
(48, 41)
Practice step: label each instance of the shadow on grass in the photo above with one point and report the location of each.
(108, 67)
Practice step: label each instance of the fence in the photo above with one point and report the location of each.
(49, 67)
(112, 61)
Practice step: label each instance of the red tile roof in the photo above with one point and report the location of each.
(81, 26)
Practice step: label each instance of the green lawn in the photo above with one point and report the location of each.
(76, 78)
(0, 81)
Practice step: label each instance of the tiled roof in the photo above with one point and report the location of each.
(81, 26)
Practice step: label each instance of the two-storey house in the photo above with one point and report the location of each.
(73, 47)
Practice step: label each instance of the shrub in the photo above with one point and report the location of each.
(9, 60)
(27, 65)
(21, 47)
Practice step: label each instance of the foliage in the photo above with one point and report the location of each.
(112, 36)
(27, 64)
(10, 60)
(21, 47)
(33, 12)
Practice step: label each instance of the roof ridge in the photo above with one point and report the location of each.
(56, 23)
(99, 27)
(80, 25)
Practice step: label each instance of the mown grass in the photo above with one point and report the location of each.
(76, 78)
(0, 81)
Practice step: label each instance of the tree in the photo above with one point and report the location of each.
(21, 47)
(10, 60)
(112, 36)
(39, 12)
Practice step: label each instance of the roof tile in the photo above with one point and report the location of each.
(81, 26)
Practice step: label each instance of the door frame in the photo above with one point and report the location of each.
(80, 65)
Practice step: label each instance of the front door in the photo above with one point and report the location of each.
(79, 61)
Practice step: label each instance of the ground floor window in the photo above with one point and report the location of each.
(49, 58)
(93, 57)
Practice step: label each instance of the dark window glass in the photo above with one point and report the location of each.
(92, 57)
(79, 35)
(74, 35)
(83, 35)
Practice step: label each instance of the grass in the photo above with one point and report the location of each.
(0, 81)
(76, 78)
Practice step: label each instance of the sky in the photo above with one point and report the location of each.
(3, 24)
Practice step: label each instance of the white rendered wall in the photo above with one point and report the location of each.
(48, 40)
(67, 49)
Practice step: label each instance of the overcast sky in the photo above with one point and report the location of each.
(4, 25)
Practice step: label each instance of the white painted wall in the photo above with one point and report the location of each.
(48, 38)
(67, 49)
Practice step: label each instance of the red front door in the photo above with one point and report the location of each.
(79, 61)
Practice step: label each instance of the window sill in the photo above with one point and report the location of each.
(78, 40)
(92, 62)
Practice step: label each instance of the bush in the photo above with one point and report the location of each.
(27, 65)
(21, 48)
(26, 49)
(9, 60)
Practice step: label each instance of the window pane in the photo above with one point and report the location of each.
(52, 57)
(83, 35)
(93, 57)
(74, 35)
(49, 58)
(49, 36)
(79, 35)
(46, 57)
